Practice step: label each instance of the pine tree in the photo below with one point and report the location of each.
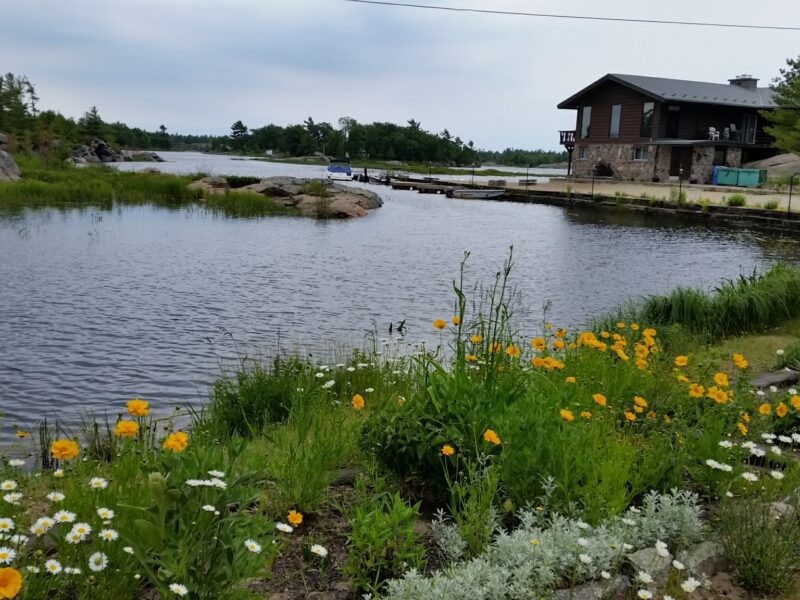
(785, 118)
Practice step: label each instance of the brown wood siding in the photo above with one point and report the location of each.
(602, 99)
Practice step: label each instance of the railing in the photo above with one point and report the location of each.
(751, 137)
(567, 138)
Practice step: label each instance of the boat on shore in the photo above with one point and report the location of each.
(474, 194)
(339, 170)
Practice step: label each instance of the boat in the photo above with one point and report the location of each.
(474, 194)
(339, 170)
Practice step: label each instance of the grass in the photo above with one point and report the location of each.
(736, 200)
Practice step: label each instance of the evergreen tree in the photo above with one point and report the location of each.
(238, 135)
(785, 118)
(91, 125)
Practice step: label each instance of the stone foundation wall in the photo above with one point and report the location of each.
(702, 163)
(620, 157)
(734, 158)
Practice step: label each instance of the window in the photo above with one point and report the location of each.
(720, 156)
(648, 110)
(616, 116)
(583, 153)
(586, 121)
(640, 153)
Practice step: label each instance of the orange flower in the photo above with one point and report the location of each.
(456, 320)
(740, 361)
(650, 332)
(176, 442)
(551, 363)
(681, 361)
(599, 399)
(439, 324)
(721, 379)
(641, 364)
(10, 582)
(630, 416)
(471, 358)
(294, 517)
(639, 401)
(764, 409)
(586, 415)
(537, 361)
(571, 379)
(742, 428)
(513, 351)
(126, 429)
(538, 343)
(476, 339)
(64, 449)
(781, 410)
(138, 407)
(558, 344)
(696, 390)
(561, 333)
(745, 417)
(491, 437)
(795, 401)
(634, 327)
(447, 450)
(717, 395)
(566, 415)
(358, 402)
(605, 335)
(651, 415)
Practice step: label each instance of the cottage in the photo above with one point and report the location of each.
(649, 128)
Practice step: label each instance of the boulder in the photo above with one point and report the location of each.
(151, 170)
(3, 140)
(96, 151)
(141, 157)
(210, 185)
(649, 561)
(705, 559)
(278, 187)
(777, 166)
(595, 590)
(9, 171)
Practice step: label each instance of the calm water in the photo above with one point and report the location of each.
(100, 306)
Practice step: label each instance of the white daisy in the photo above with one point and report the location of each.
(776, 474)
(8, 485)
(64, 516)
(32, 569)
(252, 546)
(320, 551)
(105, 513)
(72, 570)
(109, 535)
(13, 498)
(209, 508)
(98, 483)
(127, 550)
(98, 561)
(585, 558)
(644, 577)
(6, 525)
(284, 527)
(178, 588)
(55, 496)
(52, 566)
(678, 565)
(750, 476)
(216, 473)
(690, 585)
(7, 555)
(644, 594)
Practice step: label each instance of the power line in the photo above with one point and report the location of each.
(484, 11)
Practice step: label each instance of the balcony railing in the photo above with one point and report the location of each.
(567, 138)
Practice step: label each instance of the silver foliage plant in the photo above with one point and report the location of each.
(529, 561)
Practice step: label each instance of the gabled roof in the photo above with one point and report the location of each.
(682, 90)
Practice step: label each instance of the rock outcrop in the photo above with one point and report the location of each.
(210, 185)
(9, 171)
(142, 156)
(777, 166)
(96, 151)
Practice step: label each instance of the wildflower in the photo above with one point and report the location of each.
(570, 379)
(320, 551)
(72, 570)
(52, 566)
(751, 477)
(294, 517)
(776, 450)
(721, 379)
(605, 574)
(681, 361)
(491, 437)
(629, 416)
(641, 364)
(176, 442)
(16, 462)
(358, 402)
(138, 407)
(109, 535)
(566, 415)
(661, 549)
(284, 527)
(98, 562)
(32, 569)
(476, 339)
(558, 345)
(740, 361)
(127, 550)
(645, 577)
(639, 401)
(105, 513)
(98, 483)
(447, 450)
(456, 320)
(439, 324)
(585, 559)
(8, 485)
(471, 358)
(760, 393)
(82, 529)
(178, 589)
(7, 555)
(582, 542)
(6, 525)
(538, 343)
(776, 474)
(781, 410)
(13, 498)
(369, 390)
(126, 429)
(64, 449)
(682, 378)
(764, 409)
(644, 594)
(252, 546)
(58, 473)
(678, 565)
(599, 399)
(10, 582)
(785, 439)
(513, 351)
(690, 585)
(586, 415)
(717, 395)
(55, 496)
(795, 402)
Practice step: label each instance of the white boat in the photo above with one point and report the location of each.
(474, 194)
(339, 170)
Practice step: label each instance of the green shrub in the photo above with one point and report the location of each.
(238, 181)
(383, 543)
(771, 204)
(736, 200)
(472, 504)
(677, 195)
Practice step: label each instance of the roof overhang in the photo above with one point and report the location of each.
(573, 101)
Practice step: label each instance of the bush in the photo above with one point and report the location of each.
(771, 205)
(677, 195)
(736, 200)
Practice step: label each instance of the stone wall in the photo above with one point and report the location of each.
(734, 158)
(702, 163)
(620, 157)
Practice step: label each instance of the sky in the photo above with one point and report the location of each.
(197, 66)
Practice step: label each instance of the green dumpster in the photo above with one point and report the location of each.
(752, 177)
(727, 176)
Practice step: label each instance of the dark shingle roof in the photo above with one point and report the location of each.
(682, 90)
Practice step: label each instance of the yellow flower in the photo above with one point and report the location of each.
(456, 320)
(630, 416)
(721, 379)
(681, 361)
(571, 379)
(605, 335)
(439, 324)
(471, 358)
(21, 434)
(513, 351)
(447, 450)
(639, 401)
(294, 517)
(621, 355)
(538, 343)
(667, 419)
(641, 364)
(558, 344)
(138, 407)
(10, 582)
(126, 429)
(745, 417)
(476, 339)
(599, 399)
(620, 325)
(682, 378)
(651, 415)
(64, 449)
(696, 390)
(717, 395)
(566, 415)
(586, 415)
(176, 442)
(358, 402)
(638, 409)
(572, 346)
(740, 361)
(494, 347)
(491, 437)
(795, 401)
(781, 410)
(551, 363)
(537, 361)
(650, 332)
(742, 428)
(561, 333)
(764, 409)
(634, 327)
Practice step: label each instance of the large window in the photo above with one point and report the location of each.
(648, 110)
(586, 121)
(616, 117)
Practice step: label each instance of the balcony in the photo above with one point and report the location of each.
(567, 139)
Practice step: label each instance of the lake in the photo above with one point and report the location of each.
(100, 306)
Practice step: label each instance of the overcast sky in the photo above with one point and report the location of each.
(197, 66)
